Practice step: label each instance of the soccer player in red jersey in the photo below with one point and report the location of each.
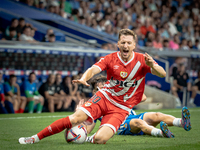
(126, 72)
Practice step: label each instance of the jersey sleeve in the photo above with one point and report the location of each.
(7, 88)
(102, 63)
(27, 90)
(1, 89)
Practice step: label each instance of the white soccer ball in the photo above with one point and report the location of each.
(77, 134)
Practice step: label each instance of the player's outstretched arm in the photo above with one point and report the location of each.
(90, 72)
(156, 69)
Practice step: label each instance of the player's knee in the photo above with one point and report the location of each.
(75, 120)
(41, 100)
(174, 89)
(158, 115)
(195, 88)
(23, 99)
(50, 100)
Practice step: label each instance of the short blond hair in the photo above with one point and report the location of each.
(127, 32)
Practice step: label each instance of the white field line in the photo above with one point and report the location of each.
(60, 116)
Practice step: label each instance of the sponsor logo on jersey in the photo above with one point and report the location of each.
(116, 66)
(131, 83)
(123, 74)
(88, 104)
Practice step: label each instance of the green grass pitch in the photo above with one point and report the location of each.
(14, 126)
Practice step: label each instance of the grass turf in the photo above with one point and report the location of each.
(14, 126)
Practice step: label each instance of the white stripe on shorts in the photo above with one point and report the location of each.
(109, 125)
(89, 115)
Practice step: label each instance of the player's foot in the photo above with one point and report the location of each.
(186, 119)
(88, 139)
(29, 140)
(191, 104)
(166, 132)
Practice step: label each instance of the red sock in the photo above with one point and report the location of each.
(21, 110)
(16, 111)
(55, 127)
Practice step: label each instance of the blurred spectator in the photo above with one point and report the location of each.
(20, 27)
(61, 94)
(174, 44)
(41, 5)
(46, 37)
(197, 45)
(172, 27)
(52, 38)
(5, 106)
(14, 24)
(179, 25)
(166, 45)
(32, 94)
(157, 43)
(13, 94)
(165, 31)
(33, 32)
(189, 43)
(181, 80)
(184, 45)
(26, 36)
(150, 37)
(48, 91)
(147, 27)
(11, 36)
(71, 90)
(195, 89)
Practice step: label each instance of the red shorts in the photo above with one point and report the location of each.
(98, 106)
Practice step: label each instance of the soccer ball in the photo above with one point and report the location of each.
(77, 134)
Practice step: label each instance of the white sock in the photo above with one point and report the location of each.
(177, 122)
(90, 139)
(156, 132)
(36, 138)
(191, 100)
(178, 101)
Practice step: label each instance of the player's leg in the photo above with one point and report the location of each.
(52, 101)
(23, 101)
(59, 125)
(88, 111)
(154, 118)
(103, 135)
(40, 104)
(174, 92)
(67, 102)
(194, 93)
(31, 104)
(110, 123)
(138, 125)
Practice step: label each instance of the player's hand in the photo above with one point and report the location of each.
(80, 82)
(2, 103)
(149, 60)
(81, 102)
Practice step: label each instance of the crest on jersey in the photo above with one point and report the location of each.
(123, 74)
(125, 125)
(88, 104)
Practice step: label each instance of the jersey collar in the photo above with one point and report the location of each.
(125, 63)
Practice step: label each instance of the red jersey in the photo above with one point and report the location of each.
(126, 80)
